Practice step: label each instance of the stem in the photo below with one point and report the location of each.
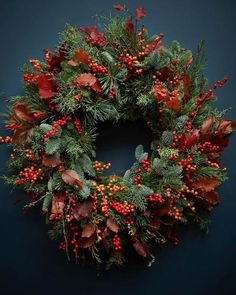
(65, 238)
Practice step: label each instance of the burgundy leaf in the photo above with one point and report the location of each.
(46, 86)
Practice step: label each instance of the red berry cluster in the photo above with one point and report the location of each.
(96, 68)
(188, 168)
(220, 83)
(204, 97)
(29, 78)
(78, 126)
(207, 147)
(36, 65)
(112, 93)
(156, 198)
(99, 41)
(39, 115)
(55, 128)
(137, 180)
(146, 165)
(130, 62)
(122, 209)
(175, 213)
(62, 246)
(116, 243)
(30, 174)
(7, 139)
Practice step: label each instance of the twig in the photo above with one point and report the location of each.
(65, 238)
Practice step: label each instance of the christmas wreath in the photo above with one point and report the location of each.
(120, 73)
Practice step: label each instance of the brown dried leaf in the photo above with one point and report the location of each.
(82, 209)
(88, 230)
(212, 197)
(58, 202)
(87, 242)
(206, 184)
(86, 79)
(22, 135)
(139, 248)
(71, 177)
(112, 225)
(51, 160)
(22, 112)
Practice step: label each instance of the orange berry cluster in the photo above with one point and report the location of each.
(30, 174)
(130, 62)
(122, 209)
(105, 206)
(175, 213)
(7, 139)
(116, 243)
(100, 167)
(36, 65)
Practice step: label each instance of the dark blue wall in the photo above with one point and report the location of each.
(29, 262)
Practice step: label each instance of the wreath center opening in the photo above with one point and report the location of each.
(116, 143)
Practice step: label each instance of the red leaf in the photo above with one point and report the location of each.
(154, 45)
(192, 140)
(187, 83)
(82, 209)
(174, 105)
(82, 57)
(161, 93)
(139, 248)
(206, 184)
(206, 125)
(88, 230)
(130, 27)
(112, 225)
(51, 160)
(118, 7)
(46, 86)
(86, 79)
(140, 13)
(71, 177)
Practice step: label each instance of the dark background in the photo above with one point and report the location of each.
(29, 262)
